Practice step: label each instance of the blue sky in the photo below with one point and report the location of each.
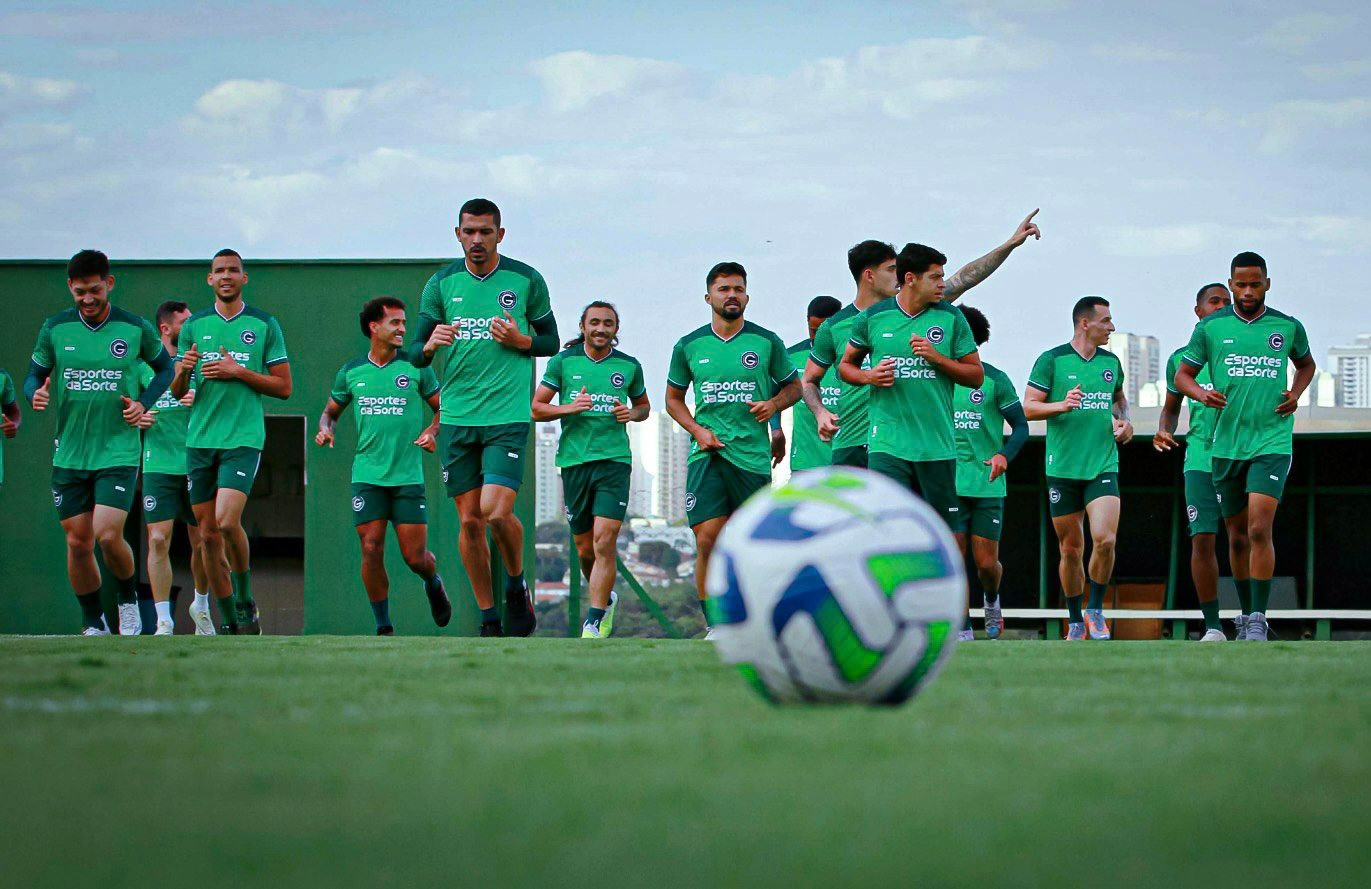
(633, 145)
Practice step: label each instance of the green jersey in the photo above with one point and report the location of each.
(830, 341)
(594, 434)
(484, 382)
(728, 374)
(92, 368)
(807, 449)
(1247, 362)
(388, 403)
(979, 420)
(912, 419)
(228, 413)
(1080, 442)
(7, 398)
(164, 442)
(1200, 436)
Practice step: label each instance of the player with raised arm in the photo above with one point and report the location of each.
(388, 393)
(1247, 348)
(10, 416)
(983, 457)
(94, 350)
(809, 450)
(1077, 388)
(921, 349)
(489, 316)
(166, 490)
(731, 363)
(599, 391)
(1201, 500)
(872, 264)
(231, 355)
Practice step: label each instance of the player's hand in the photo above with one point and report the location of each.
(1123, 431)
(828, 425)
(1215, 398)
(762, 411)
(1026, 229)
(8, 427)
(777, 447)
(707, 440)
(505, 332)
(443, 335)
(427, 441)
(581, 403)
(1073, 399)
(882, 374)
(133, 410)
(42, 396)
(324, 438)
(189, 359)
(222, 368)
(998, 466)
(622, 412)
(924, 349)
(1288, 404)
(1164, 441)
(189, 398)
(148, 418)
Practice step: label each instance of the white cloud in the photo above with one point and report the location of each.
(1140, 53)
(1289, 123)
(575, 80)
(19, 93)
(1335, 71)
(1295, 35)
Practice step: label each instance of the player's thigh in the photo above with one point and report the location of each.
(1230, 485)
(609, 499)
(108, 522)
(578, 490)
(202, 475)
(1201, 503)
(706, 498)
(605, 536)
(1104, 516)
(1069, 530)
(502, 455)
(986, 520)
(898, 470)
(1266, 475)
(238, 470)
(413, 538)
(1065, 497)
(164, 498)
(370, 504)
(459, 451)
(984, 550)
(937, 483)
(1261, 513)
(73, 493)
(855, 457)
(739, 484)
(497, 500)
(372, 535)
(80, 529)
(229, 504)
(707, 531)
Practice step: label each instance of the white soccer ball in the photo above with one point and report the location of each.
(838, 586)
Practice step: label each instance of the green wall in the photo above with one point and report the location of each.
(316, 302)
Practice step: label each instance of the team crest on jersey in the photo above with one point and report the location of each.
(616, 380)
(690, 501)
(149, 504)
(508, 298)
(751, 359)
(248, 337)
(1191, 512)
(402, 382)
(977, 396)
(935, 335)
(1276, 341)
(357, 503)
(119, 348)
(1054, 495)
(1108, 376)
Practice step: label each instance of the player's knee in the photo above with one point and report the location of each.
(373, 549)
(1104, 542)
(606, 543)
(415, 559)
(80, 541)
(229, 524)
(1259, 535)
(502, 520)
(109, 538)
(986, 561)
(159, 543)
(585, 551)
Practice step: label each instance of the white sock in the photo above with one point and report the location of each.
(201, 601)
(163, 611)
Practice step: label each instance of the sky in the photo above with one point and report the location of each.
(633, 145)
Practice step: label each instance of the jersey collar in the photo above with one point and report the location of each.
(585, 350)
(387, 364)
(242, 307)
(1246, 320)
(499, 260)
(1082, 357)
(109, 311)
(728, 339)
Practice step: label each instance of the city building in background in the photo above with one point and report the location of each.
(549, 505)
(1141, 357)
(1351, 365)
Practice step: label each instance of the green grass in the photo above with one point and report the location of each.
(404, 762)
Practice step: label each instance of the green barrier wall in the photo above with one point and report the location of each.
(317, 304)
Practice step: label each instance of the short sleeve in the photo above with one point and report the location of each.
(861, 337)
(1173, 366)
(963, 340)
(341, 393)
(7, 397)
(539, 303)
(1005, 396)
(637, 385)
(42, 350)
(822, 350)
(428, 382)
(1040, 377)
(276, 344)
(678, 373)
(781, 368)
(1197, 350)
(431, 301)
(1300, 347)
(552, 374)
(1118, 379)
(152, 342)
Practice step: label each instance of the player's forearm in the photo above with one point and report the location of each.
(544, 341)
(1018, 432)
(968, 374)
(34, 379)
(1043, 410)
(1303, 377)
(1187, 385)
(328, 423)
(850, 372)
(786, 396)
(638, 413)
(14, 415)
(976, 271)
(418, 352)
(809, 391)
(677, 410)
(164, 371)
(543, 411)
(270, 384)
(1121, 408)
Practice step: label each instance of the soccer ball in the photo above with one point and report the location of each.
(839, 586)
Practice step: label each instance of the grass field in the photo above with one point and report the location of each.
(401, 762)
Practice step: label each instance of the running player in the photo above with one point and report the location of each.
(1201, 501)
(94, 351)
(231, 354)
(1078, 389)
(872, 264)
(1246, 348)
(166, 491)
(387, 393)
(599, 391)
(731, 362)
(979, 416)
(10, 417)
(921, 349)
(490, 316)
(807, 449)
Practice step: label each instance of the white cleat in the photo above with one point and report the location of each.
(1213, 636)
(709, 634)
(204, 624)
(966, 635)
(165, 628)
(590, 631)
(102, 630)
(130, 621)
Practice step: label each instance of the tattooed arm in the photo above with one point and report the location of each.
(978, 270)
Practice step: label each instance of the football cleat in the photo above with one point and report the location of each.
(204, 625)
(590, 631)
(607, 622)
(1213, 636)
(491, 628)
(130, 621)
(165, 628)
(1256, 627)
(709, 634)
(1075, 632)
(994, 620)
(249, 623)
(438, 602)
(385, 631)
(966, 636)
(1095, 623)
(102, 630)
(1240, 623)
(519, 617)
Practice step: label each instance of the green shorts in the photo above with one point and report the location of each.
(166, 498)
(482, 455)
(979, 517)
(715, 487)
(1235, 479)
(1071, 495)
(1201, 503)
(854, 456)
(595, 489)
(397, 504)
(210, 469)
(76, 491)
(933, 480)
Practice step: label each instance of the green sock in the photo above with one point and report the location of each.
(490, 614)
(92, 613)
(242, 587)
(226, 611)
(1244, 586)
(1097, 595)
(594, 616)
(1211, 614)
(1261, 594)
(128, 589)
(1073, 605)
(966, 625)
(381, 611)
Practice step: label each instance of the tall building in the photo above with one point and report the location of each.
(1351, 365)
(1141, 357)
(673, 450)
(548, 504)
(640, 489)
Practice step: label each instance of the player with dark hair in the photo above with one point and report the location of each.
(232, 354)
(979, 417)
(807, 449)
(599, 391)
(489, 316)
(872, 264)
(387, 393)
(734, 366)
(1201, 500)
(1248, 348)
(10, 416)
(94, 350)
(1077, 388)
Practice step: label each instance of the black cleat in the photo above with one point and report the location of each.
(248, 622)
(519, 617)
(227, 629)
(491, 628)
(385, 631)
(438, 602)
